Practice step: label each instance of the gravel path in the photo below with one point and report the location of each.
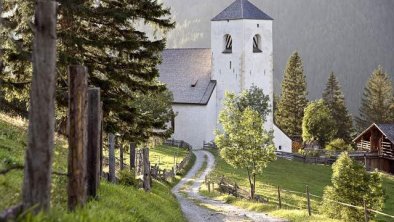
(189, 198)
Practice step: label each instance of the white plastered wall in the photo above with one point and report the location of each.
(195, 124)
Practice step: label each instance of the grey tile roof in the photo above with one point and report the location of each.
(388, 130)
(187, 74)
(242, 9)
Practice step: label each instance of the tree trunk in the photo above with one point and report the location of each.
(38, 163)
(112, 177)
(94, 128)
(251, 184)
(77, 136)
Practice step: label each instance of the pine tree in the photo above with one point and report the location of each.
(293, 98)
(335, 100)
(101, 35)
(377, 101)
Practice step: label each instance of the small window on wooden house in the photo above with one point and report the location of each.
(228, 44)
(257, 44)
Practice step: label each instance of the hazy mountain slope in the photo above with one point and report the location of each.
(349, 37)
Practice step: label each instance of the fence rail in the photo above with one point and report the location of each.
(177, 143)
(232, 188)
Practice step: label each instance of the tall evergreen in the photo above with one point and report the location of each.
(101, 35)
(335, 101)
(290, 109)
(377, 102)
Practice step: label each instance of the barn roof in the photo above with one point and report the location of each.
(386, 129)
(187, 74)
(241, 9)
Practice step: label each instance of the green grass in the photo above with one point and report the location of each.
(115, 202)
(289, 175)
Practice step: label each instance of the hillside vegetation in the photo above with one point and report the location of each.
(292, 178)
(115, 202)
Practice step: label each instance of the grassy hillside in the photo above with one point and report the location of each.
(115, 202)
(293, 176)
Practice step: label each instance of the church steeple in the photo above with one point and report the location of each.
(241, 9)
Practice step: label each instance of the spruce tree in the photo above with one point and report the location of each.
(377, 100)
(101, 35)
(335, 100)
(290, 109)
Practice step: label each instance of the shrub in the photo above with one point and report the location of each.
(338, 145)
(351, 184)
(127, 178)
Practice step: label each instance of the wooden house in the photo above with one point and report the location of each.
(378, 141)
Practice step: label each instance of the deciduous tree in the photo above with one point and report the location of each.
(318, 124)
(244, 143)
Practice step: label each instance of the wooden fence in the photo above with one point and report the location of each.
(276, 196)
(177, 143)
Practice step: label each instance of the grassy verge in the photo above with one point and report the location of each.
(289, 175)
(115, 202)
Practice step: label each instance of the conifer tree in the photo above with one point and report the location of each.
(335, 100)
(290, 109)
(101, 35)
(377, 101)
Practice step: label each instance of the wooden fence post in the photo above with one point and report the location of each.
(77, 136)
(279, 199)
(366, 217)
(146, 169)
(101, 138)
(93, 152)
(38, 161)
(132, 156)
(112, 177)
(121, 156)
(308, 201)
(209, 186)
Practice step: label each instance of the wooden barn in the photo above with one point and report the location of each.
(378, 141)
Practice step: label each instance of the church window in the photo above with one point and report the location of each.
(257, 44)
(228, 44)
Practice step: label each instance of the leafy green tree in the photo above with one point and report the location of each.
(255, 99)
(377, 102)
(352, 184)
(338, 145)
(244, 143)
(101, 35)
(293, 98)
(335, 100)
(318, 124)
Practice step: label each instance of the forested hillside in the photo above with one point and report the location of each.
(350, 38)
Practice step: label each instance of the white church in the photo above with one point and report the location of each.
(241, 56)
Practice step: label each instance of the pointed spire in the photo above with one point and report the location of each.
(241, 9)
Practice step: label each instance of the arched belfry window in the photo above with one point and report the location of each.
(257, 44)
(228, 44)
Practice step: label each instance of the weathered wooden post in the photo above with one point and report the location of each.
(209, 186)
(121, 156)
(366, 217)
(112, 177)
(132, 156)
(77, 136)
(93, 152)
(279, 199)
(308, 201)
(101, 138)
(38, 161)
(146, 169)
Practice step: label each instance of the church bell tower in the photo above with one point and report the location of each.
(242, 52)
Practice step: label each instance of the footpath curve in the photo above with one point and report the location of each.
(190, 199)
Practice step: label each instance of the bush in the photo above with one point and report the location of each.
(351, 184)
(338, 145)
(127, 178)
